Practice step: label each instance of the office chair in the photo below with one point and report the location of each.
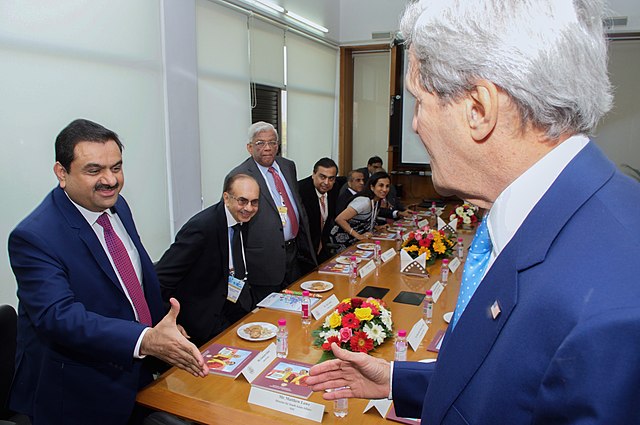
(8, 332)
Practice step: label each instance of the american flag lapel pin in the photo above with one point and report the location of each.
(495, 310)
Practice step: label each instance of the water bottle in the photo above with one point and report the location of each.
(401, 346)
(341, 407)
(282, 339)
(444, 272)
(460, 249)
(433, 208)
(427, 307)
(399, 240)
(376, 253)
(353, 269)
(306, 318)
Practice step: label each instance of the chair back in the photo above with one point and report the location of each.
(8, 333)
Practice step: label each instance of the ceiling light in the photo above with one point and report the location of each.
(306, 21)
(270, 5)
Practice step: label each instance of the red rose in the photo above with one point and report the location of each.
(361, 343)
(327, 345)
(350, 321)
(356, 302)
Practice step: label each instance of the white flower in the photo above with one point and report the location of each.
(470, 212)
(326, 335)
(466, 220)
(460, 211)
(375, 332)
(385, 316)
(452, 217)
(326, 323)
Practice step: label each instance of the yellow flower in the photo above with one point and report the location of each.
(426, 251)
(346, 301)
(373, 302)
(439, 247)
(411, 248)
(364, 313)
(335, 320)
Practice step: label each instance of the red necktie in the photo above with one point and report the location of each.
(287, 202)
(125, 269)
(323, 207)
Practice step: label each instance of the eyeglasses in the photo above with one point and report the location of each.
(244, 201)
(264, 143)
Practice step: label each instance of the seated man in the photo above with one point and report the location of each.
(199, 267)
(354, 185)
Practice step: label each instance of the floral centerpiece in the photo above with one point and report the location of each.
(434, 244)
(467, 214)
(356, 324)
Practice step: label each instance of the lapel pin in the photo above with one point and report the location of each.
(495, 310)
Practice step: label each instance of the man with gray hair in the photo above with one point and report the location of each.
(278, 244)
(507, 93)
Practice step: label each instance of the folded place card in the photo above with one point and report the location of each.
(326, 306)
(388, 255)
(382, 405)
(413, 266)
(437, 289)
(365, 270)
(286, 404)
(260, 363)
(417, 333)
(454, 264)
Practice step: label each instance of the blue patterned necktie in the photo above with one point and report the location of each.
(474, 269)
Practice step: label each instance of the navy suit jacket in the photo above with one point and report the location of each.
(264, 247)
(76, 329)
(564, 348)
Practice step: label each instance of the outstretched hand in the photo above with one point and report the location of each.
(350, 375)
(166, 342)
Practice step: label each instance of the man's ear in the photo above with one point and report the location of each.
(61, 174)
(481, 108)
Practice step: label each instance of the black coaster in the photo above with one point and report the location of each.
(405, 297)
(373, 292)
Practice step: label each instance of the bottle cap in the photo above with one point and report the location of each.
(353, 258)
(305, 293)
(445, 261)
(282, 322)
(402, 333)
(429, 292)
(377, 242)
(460, 239)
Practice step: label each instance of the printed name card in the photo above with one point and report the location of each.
(454, 264)
(286, 404)
(418, 331)
(258, 364)
(437, 289)
(366, 269)
(423, 223)
(325, 307)
(388, 255)
(381, 405)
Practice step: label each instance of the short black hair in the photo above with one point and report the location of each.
(373, 180)
(352, 172)
(77, 131)
(326, 163)
(374, 160)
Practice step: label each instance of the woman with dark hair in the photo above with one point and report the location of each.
(357, 221)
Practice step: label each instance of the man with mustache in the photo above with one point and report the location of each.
(278, 245)
(90, 315)
(203, 270)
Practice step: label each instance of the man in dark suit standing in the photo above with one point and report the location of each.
(89, 300)
(319, 198)
(278, 236)
(549, 304)
(203, 270)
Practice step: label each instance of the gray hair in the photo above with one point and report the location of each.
(549, 56)
(260, 126)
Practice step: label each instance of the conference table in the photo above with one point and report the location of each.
(219, 399)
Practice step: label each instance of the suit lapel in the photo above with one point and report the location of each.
(465, 349)
(223, 239)
(86, 234)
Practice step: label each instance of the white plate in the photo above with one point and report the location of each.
(347, 260)
(447, 316)
(316, 286)
(268, 331)
(366, 246)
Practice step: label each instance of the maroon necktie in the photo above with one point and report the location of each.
(287, 202)
(125, 269)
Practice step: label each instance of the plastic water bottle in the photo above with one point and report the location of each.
(376, 253)
(341, 407)
(306, 318)
(282, 339)
(401, 346)
(460, 249)
(353, 269)
(433, 208)
(444, 272)
(427, 306)
(399, 240)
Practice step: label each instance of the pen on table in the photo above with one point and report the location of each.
(290, 292)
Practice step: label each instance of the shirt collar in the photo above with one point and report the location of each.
(353, 192)
(90, 216)
(320, 195)
(265, 170)
(230, 220)
(515, 202)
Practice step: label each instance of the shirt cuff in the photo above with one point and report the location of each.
(136, 350)
(394, 214)
(390, 396)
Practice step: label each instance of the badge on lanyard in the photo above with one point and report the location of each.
(234, 288)
(283, 215)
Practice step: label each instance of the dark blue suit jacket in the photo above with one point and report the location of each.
(76, 328)
(564, 349)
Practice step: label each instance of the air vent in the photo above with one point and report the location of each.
(615, 21)
(382, 35)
